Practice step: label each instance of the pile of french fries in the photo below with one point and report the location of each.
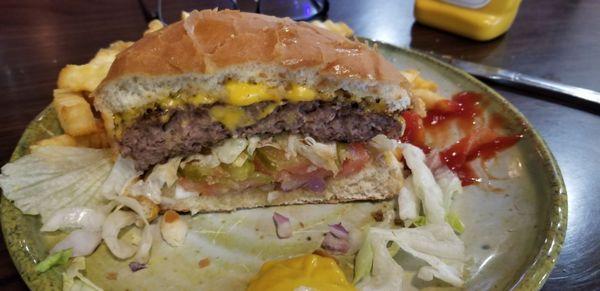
(73, 104)
(424, 91)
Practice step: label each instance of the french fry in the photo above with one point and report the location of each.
(428, 97)
(420, 83)
(74, 113)
(419, 107)
(154, 25)
(87, 77)
(417, 82)
(59, 140)
(410, 75)
(96, 140)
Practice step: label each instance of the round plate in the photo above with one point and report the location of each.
(515, 224)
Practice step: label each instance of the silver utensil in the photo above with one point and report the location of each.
(512, 79)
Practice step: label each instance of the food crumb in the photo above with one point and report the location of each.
(378, 215)
(170, 216)
(204, 263)
(111, 275)
(301, 224)
(398, 222)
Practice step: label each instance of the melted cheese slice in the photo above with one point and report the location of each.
(231, 117)
(243, 94)
(238, 94)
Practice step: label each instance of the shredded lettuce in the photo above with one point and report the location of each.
(230, 149)
(408, 203)
(161, 175)
(386, 274)
(205, 161)
(121, 175)
(449, 184)
(420, 221)
(320, 154)
(56, 177)
(182, 193)
(252, 144)
(424, 184)
(433, 241)
(435, 244)
(383, 144)
(73, 280)
(455, 222)
(56, 259)
(363, 262)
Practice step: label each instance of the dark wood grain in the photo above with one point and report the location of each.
(554, 39)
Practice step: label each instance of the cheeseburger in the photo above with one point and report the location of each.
(257, 111)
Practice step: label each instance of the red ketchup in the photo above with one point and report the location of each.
(466, 110)
(414, 132)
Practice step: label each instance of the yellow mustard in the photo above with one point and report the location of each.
(483, 21)
(312, 271)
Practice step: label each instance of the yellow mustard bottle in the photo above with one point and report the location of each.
(477, 19)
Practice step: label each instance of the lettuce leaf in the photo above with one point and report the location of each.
(435, 244)
(386, 273)
(56, 177)
(121, 175)
(73, 280)
(424, 184)
(56, 259)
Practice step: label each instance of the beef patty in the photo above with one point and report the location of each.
(151, 140)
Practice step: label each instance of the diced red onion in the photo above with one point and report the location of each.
(282, 225)
(135, 266)
(291, 184)
(338, 230)
(335, 245)
(315, 184)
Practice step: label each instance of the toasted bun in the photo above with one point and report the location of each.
(374, 182)
(209, 47)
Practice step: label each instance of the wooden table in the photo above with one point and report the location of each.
(554, 39)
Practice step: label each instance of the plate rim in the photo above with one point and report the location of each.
(534, 277)
(538, 271)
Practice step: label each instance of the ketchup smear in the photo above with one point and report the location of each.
(484, 142)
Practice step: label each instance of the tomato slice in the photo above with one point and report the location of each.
(201, 187)
(356, 158)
